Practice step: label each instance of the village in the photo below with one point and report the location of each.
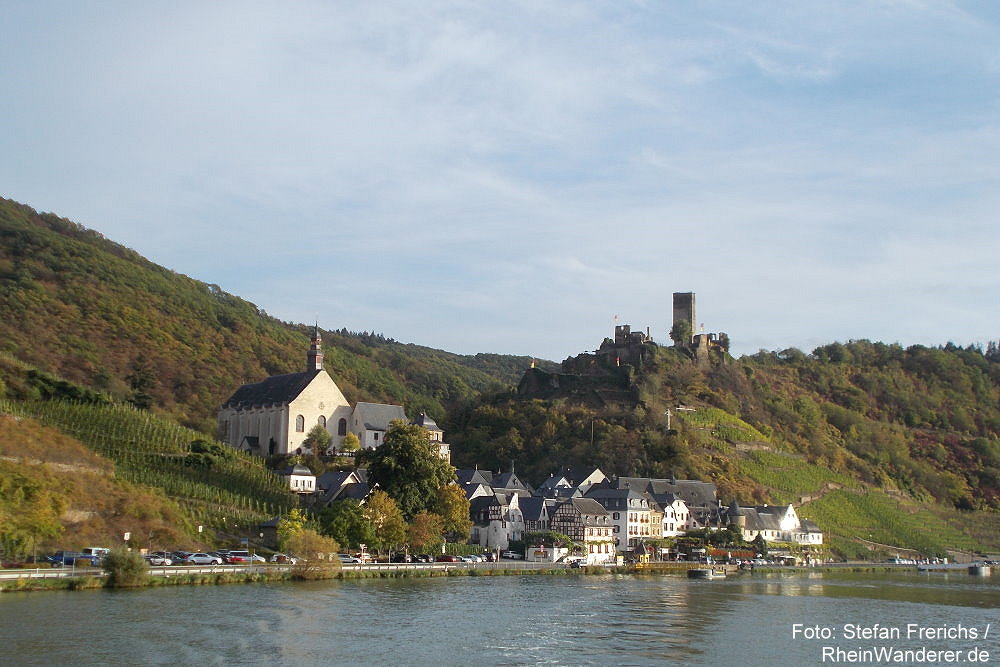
(608, 519)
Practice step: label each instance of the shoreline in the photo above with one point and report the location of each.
(285, 574)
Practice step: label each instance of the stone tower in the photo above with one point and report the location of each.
(314, 360)
(684, 309)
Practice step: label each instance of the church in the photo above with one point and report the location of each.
(275, 415)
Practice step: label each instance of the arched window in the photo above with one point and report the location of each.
(321, 421)
(300, 424)
(342, 427)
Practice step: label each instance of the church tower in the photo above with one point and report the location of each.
(314, 360)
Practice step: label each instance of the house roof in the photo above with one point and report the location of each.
(297, 469)
(467, 476)
(693, 492)
(277, 389)
(533, 508)
(509, 480)
(427, 422)
(378, 416)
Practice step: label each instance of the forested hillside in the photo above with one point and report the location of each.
(88, 310)
(862, 433)
(132, 360)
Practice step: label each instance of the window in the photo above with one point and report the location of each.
(376, 435)
(300, 424)
(616, 516)
(342, 427)
(321, 421)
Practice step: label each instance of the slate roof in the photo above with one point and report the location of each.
(509, 480)
(378, 416)
(695, 493)
(468, 476)
(275, 390)
(427, 423)
(297, 469)
(613, 499)
(531, 508)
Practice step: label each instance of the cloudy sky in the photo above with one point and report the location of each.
(507, 177)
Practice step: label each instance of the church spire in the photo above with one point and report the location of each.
(314, 360)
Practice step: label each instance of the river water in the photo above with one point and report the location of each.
(759, 619)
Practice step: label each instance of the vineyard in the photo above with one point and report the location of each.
(721, 425)
(218, 486)
(882, 519)
(790, 476)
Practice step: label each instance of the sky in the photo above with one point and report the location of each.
(510, 177)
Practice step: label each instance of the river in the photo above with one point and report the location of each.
(758, 619)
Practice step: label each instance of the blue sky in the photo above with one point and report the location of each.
(506, 177)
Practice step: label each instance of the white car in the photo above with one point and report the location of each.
(203, 559)
(284, 558)
(513, 555)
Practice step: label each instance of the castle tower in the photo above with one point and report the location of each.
(684, 309)
(314, 360)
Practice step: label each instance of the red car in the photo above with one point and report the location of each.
(448, 558)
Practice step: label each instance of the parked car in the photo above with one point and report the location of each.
(401, 558)
(423, 558)
(237, 557)
(200, 558)
(96, 552)
(159, 559)
(284, 558)
(348, 559)
(513, 555)
(60, 558)
(448, 558)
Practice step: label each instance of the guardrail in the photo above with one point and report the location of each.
(168, 570)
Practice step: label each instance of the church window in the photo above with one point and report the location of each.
(300, 424)
(342, 427)
(321, 421)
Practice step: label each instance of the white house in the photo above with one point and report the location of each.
(775, 523)
(371, 421)
(300, 478)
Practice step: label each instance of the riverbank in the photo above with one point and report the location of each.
(164, 577)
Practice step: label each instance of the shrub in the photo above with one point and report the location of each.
(125, 568)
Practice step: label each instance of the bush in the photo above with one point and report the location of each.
(125, 569)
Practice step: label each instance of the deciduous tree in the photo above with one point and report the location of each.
(407, 467)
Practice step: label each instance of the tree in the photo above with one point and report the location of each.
(386, 519)
(317, 555)
(407, 467)
(290, 526)
(350, 443)
(141, 381)
(317, 440)
(345, 522)
(680, 333)
(452, 506)
(425, 531)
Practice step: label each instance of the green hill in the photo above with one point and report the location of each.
(130, 361)
(90, 311)
(870, 439)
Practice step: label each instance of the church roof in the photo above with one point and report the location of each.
(378, 416)
(275, 390)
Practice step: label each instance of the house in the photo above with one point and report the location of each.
(275, 415)
(300, 478)
(335, 485)
(535, 511)
(371, 421)
(475, 483)
(508, 481)
(588, 524)
(436, 435)
(773, 523)
(496, 520)
(630, 513)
